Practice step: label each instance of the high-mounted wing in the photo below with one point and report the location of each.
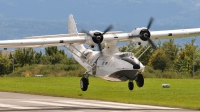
(140, 35)
(181, 33)
(64, 39)
(146, 35)
(40, 41)
(137, 35)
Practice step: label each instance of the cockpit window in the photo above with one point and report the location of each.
(124, 54)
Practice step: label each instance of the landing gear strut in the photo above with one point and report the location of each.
(130, 85)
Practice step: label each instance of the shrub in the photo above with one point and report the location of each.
(49, 70)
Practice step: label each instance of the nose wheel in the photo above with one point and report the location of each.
(139, 81)
(130, 85)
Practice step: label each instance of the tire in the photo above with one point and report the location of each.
(84, 84)
(140, 80)
(130, 85)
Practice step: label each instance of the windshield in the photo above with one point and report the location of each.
(124, 54)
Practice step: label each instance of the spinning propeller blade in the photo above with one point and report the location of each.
(108, 29)
(152, 43)
(150, 22)
(146, 35)
(83, 31)
(98, 36)
(100, 48)
(148, 27)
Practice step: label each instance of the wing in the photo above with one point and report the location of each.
(81, 38)
(181, 33)
(44, 41)
(134, 36)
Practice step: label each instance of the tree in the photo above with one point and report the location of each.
(171, 50)
(24, 56)
(5, 64)
(38, 57)
(188, 57)
(54, 56)
(159, 60)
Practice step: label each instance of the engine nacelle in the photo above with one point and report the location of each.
(94, 38)
(143, 32)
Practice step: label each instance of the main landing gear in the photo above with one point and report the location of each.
(84, 82)
(139, 80)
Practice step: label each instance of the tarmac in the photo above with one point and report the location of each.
(18, 102)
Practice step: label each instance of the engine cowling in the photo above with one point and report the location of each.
(143, 32)
(95, 38)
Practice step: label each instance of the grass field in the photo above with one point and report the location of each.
(183, 93)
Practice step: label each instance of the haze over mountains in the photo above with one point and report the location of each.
(21, 18)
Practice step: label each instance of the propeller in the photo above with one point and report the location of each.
(97, 37)
(150, 23)
(145, 34)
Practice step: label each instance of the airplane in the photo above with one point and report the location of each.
(107, 63)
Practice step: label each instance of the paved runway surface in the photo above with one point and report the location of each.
(14, 102)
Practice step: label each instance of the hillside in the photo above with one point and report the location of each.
(24, 18)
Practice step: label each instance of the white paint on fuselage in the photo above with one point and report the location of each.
(109, 65)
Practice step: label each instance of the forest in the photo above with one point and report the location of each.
(169, 60)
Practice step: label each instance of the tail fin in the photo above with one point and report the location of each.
(72, 25)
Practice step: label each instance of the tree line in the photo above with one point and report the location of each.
(28, 56)
(182, 59)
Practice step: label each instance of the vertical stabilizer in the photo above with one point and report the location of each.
(76, 49)
(72, 25)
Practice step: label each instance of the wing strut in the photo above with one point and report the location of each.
(143, 48)
(78, 55)
(72, 51)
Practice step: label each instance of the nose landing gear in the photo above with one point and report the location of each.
(130, 85)
(139, 80)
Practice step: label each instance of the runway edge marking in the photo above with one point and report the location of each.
(137, 105)
(94, 104)
(16, 106)
(52, 104)
(97, 104)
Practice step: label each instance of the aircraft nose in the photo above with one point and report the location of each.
(136, 66)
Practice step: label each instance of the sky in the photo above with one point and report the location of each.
(165, 12)
(129, 14)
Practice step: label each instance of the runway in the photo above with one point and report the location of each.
(14, 102)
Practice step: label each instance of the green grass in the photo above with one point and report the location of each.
(183, 93)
